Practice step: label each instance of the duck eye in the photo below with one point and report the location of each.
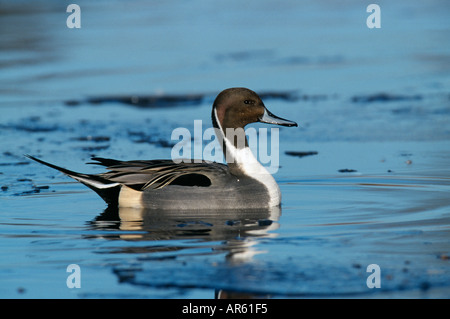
(249, 102)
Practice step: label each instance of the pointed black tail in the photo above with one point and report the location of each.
(108, 190)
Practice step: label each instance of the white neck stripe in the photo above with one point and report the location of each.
(250, 166)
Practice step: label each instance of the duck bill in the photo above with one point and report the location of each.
(269, 118)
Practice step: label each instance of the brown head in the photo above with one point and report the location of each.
(237, 107)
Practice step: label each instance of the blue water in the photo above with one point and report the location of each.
(373, 107)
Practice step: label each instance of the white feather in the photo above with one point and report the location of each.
(250, 166)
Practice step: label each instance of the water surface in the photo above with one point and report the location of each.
(365, 179)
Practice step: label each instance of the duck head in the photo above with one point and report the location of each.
(237, 107)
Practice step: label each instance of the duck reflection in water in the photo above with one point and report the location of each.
(233, 232)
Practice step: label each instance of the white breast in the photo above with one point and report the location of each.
(250, 166)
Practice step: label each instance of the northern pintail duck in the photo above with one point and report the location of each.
(164, 184)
